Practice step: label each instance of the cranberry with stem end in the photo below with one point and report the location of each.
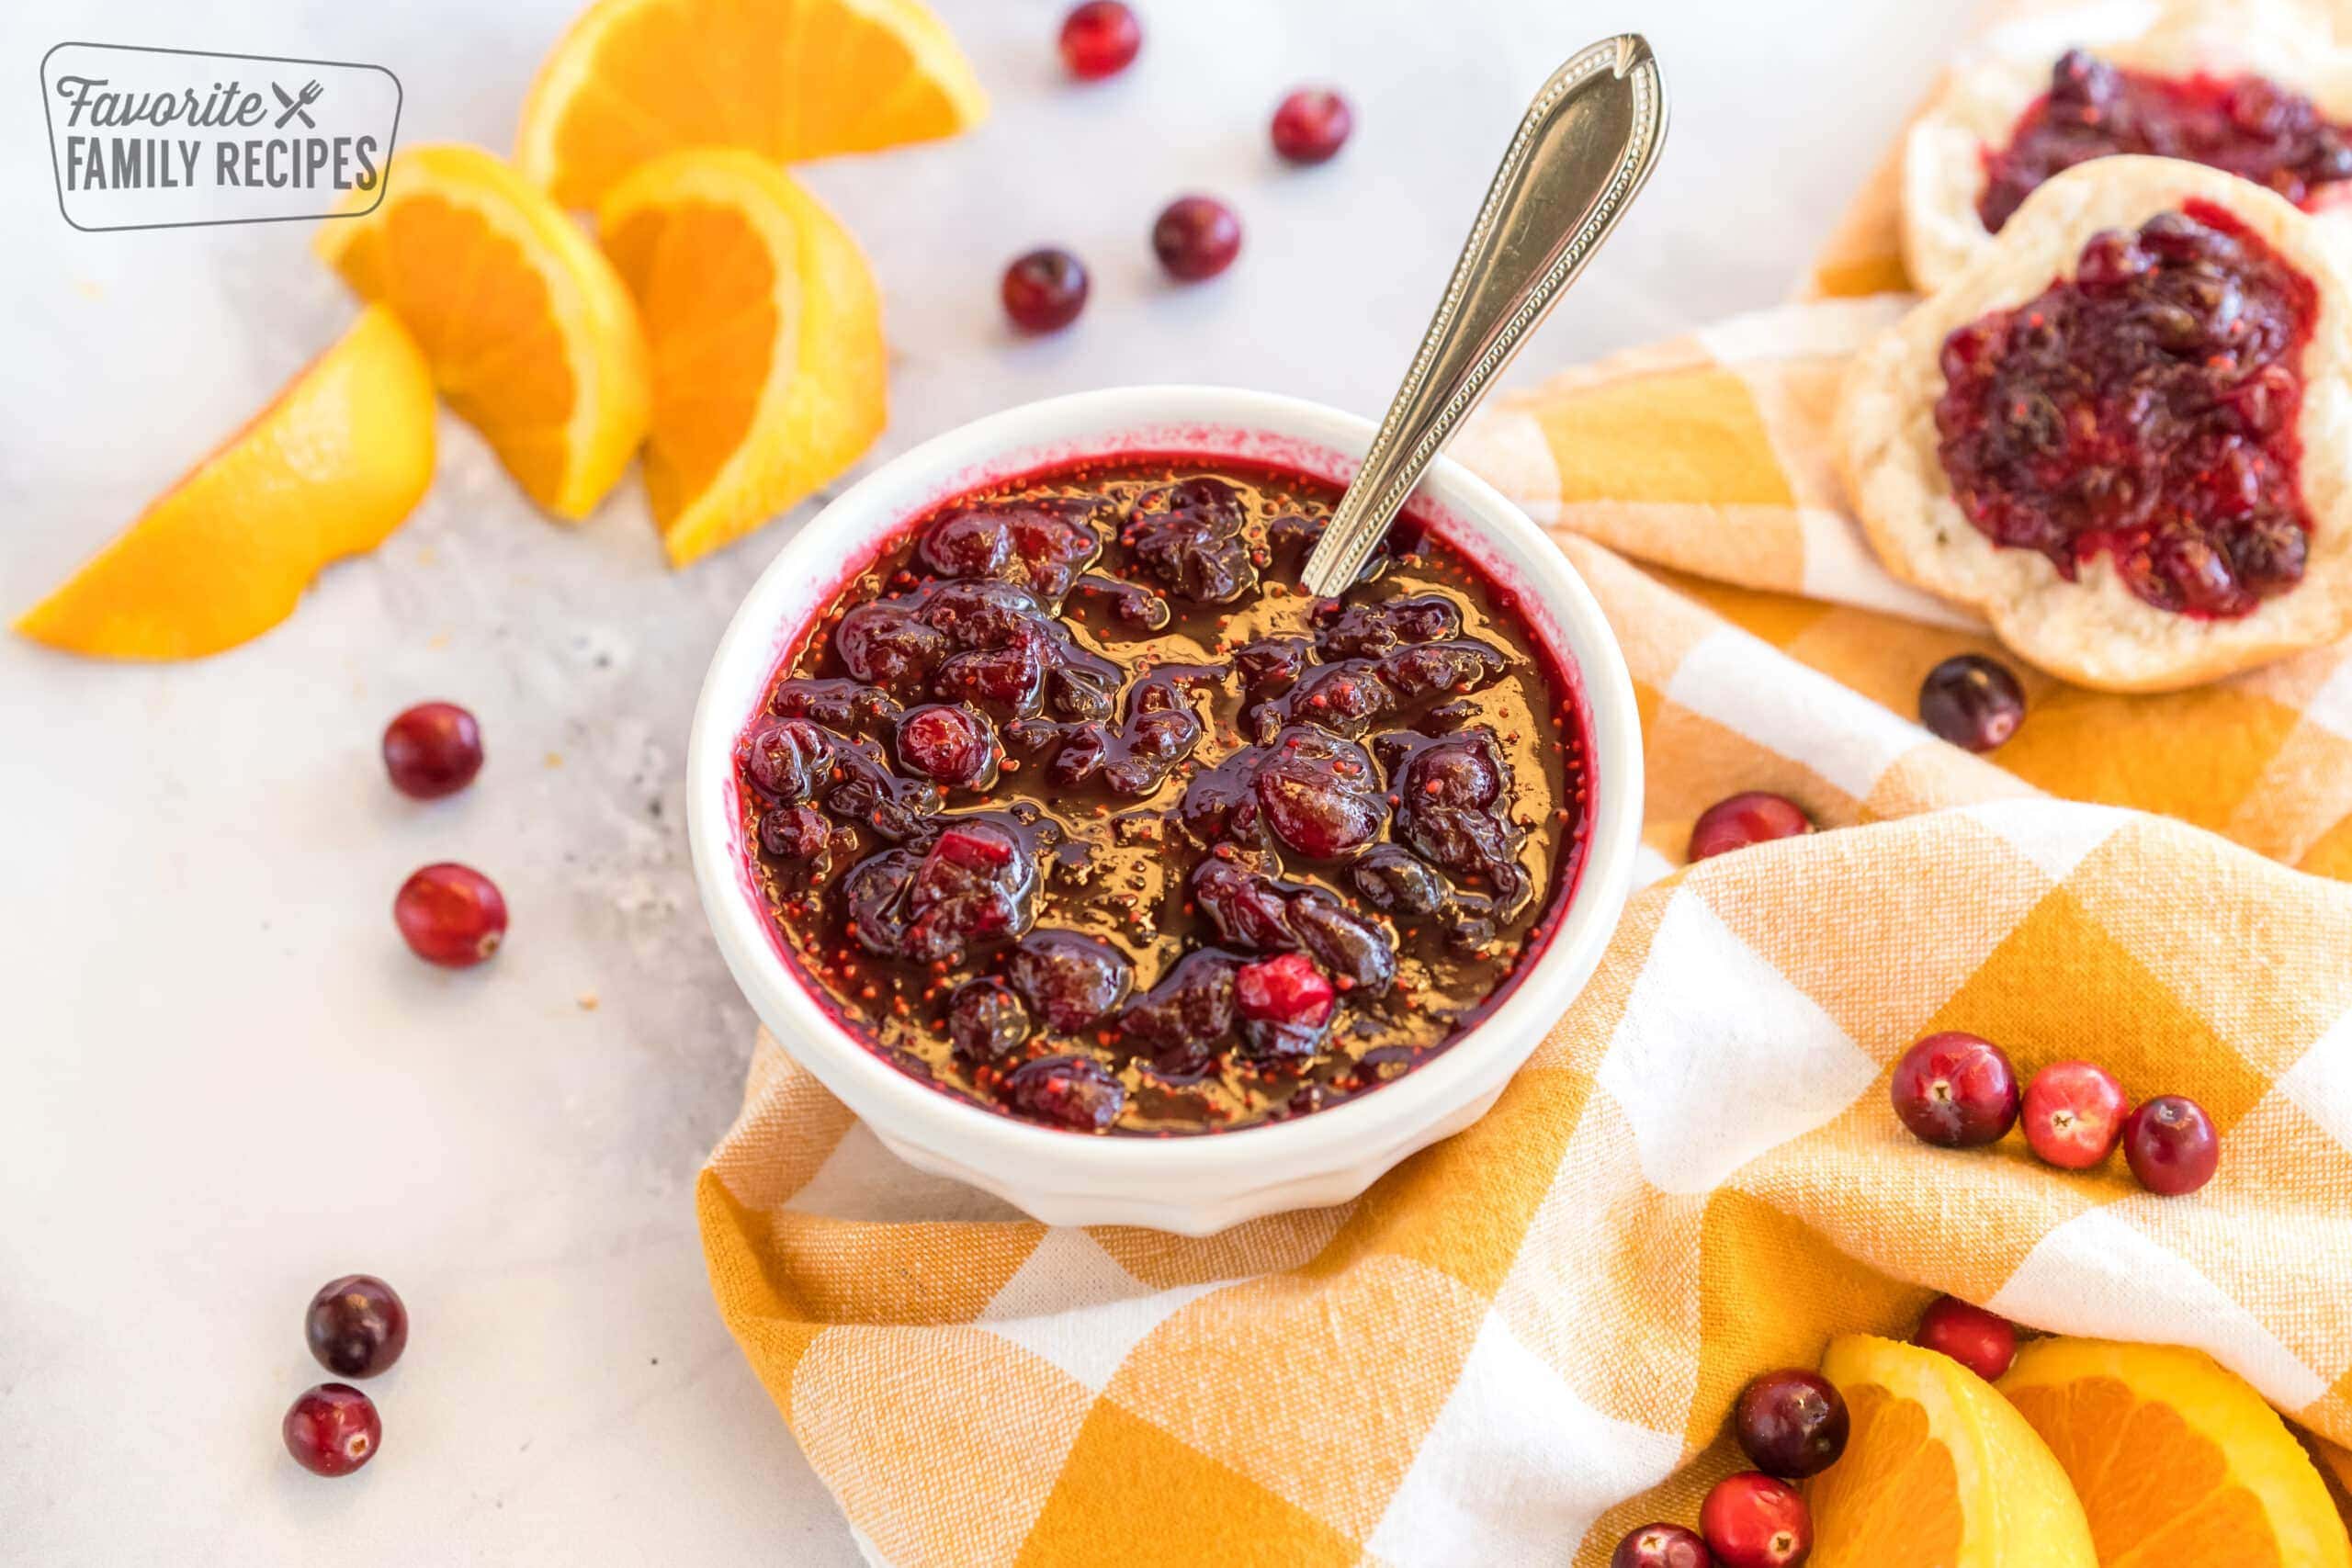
(333, 1429)
(432, 749)
(1195, 237)
(1311, 125)
(357, 1325)
(1955, 1091)
(1984, 1342)
(451, 915)
(1661, 1546)
(1100, 39)
(1753, 1521)
(2073, 1114)
(1973, 702)
(2172, 1145)
(1753, 817)
(1791, 1423)
(1045, 290)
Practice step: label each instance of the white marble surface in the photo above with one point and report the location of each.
(223, 1080)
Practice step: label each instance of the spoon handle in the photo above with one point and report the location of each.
(1583, 152)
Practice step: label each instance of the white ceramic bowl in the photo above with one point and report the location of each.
(1195, 1185)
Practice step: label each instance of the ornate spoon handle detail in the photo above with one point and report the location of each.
(1581, 154)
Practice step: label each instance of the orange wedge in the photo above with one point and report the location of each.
(765, 329)
(329, 468)
(530, 335)
(791, 79)
(2179, 1461)
(1939, 1472)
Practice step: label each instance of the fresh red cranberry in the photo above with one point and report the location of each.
(1100, 39)
(333, 1429)
(1955, 1091)
(951, 746)
(2172, 1144)
(1753, 1521)
(1045, 290)
(1661, 1546)
(1790, 1424)
(357, 1325)
(1196, 237)
(1311, 125)
(2073, 1114)
(2144, 411)
(1977, 1340)
(1972, 701)
(1754, 818)
(451, 915)
(1287, 988)
(432, 749)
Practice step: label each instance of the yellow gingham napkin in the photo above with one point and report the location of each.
(1525, 1340)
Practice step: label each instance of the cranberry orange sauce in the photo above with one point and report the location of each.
(2247, 125)
(2145, 409)
(1068, 805)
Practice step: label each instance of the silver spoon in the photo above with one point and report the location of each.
(1582, 153)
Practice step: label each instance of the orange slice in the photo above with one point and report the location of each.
(530, 335)
(329, 468)
(1939, 1472)
(792, 79)
(766, 334)
(2180, 1462)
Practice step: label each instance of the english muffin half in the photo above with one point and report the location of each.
(2123, 434)
(2260, 88)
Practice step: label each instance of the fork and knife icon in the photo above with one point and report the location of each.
(296, 107)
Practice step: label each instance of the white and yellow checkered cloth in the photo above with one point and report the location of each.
(1524, 1341)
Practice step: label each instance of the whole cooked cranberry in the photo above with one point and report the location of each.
(1315, 815)
(333, 1429)
(1661, 1546)
(2073, 1114)
(951, 746)
(1753, 1521)
(787, 758)
(985, 1020)
(1100, 39)
(1397, 881)
(1045, 290)
(1973, 702)
(451, 915)
(1754, 818)
(1076, 1092)
(1195, 237)
(1955, 1091)
(1189, 1011)
(2172, 1144)
(432, 749)
(1791, 1423)
(1348, 946)
(1287, 988)
(794, 832)
(1247, 911)
(885, 644)
(357, 1325)
(1979, 1341)
(1311, 124)
(1068, 980)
